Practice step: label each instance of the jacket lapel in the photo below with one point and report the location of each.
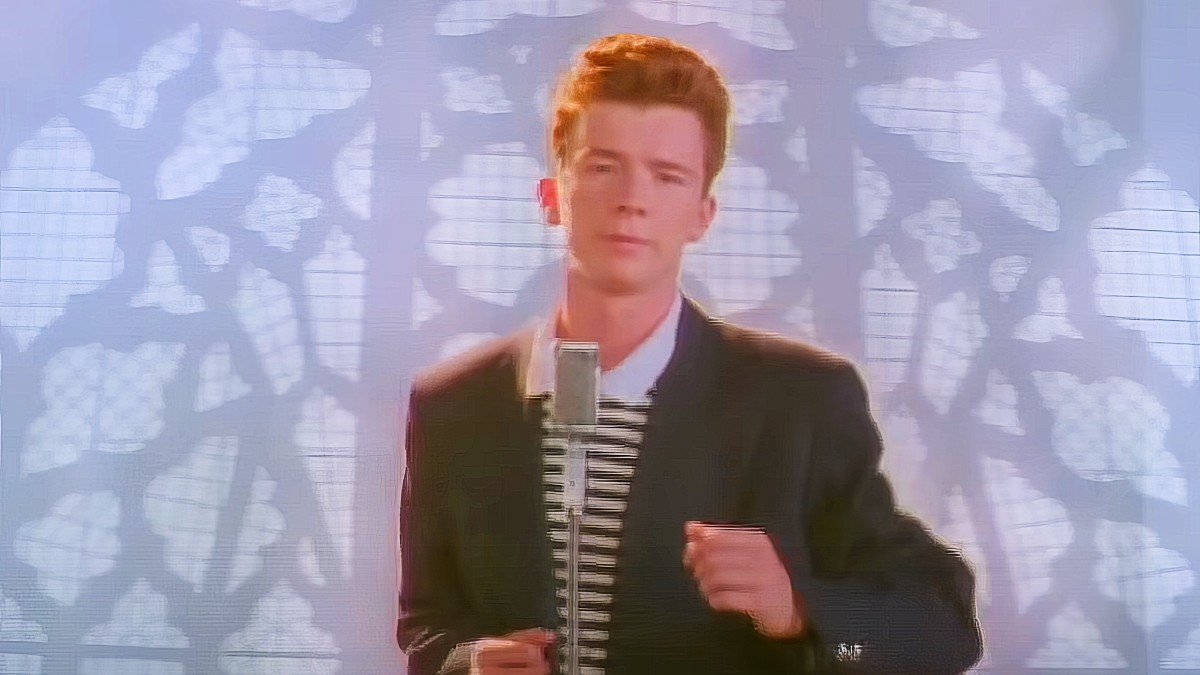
(680, 418)
(517, 507)
(699, 428)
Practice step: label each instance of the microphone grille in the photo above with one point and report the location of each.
(576, 383)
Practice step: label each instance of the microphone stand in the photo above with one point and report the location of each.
(574, 498)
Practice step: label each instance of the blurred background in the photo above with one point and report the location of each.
(231, 230)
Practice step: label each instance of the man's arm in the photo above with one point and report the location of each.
(880, 594)
(434, 627)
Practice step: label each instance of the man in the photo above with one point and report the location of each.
(736, 519)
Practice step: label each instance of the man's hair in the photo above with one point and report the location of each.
(644, 70)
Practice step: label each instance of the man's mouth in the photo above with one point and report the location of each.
(624, 239)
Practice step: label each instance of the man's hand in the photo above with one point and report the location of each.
(520, 653)
(739, 570)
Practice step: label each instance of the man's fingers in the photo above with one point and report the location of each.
(519, 652)
(710, 539)
(541, 669)
(726, 581)
(690, 552)
(725, 534)
(702, 562)
(539, 636)
(730, 600)
(728, 564)
(510, 654)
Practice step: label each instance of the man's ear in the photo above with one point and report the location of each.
(547, 193)
(708, 212)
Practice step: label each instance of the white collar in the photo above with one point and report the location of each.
(631, 380)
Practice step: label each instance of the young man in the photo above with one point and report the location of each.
(736, 520)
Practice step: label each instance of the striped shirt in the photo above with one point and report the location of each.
(612, 452)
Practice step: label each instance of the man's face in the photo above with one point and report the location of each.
(631, 195)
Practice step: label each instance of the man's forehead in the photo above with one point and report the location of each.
(655, 131)
(603, 113)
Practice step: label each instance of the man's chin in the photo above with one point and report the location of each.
(622, 285)
(618, 279)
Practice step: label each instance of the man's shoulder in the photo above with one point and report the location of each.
(772, 350)
(476, 368)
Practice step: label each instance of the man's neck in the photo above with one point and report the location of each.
(617, 323)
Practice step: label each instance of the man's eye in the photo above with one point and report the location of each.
(671, 178)
(601, 168)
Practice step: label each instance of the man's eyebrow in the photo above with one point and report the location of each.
(672, 166)
(601, 152)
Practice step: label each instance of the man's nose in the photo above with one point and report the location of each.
(635, 194)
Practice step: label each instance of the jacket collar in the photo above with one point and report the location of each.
(630, 380)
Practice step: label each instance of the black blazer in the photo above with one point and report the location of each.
(746, 427)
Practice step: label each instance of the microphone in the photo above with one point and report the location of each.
(576, 383)
(576, 394)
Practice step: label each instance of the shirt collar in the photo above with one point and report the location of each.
(630, 380)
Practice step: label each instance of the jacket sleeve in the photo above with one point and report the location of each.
(881, 594)
(434, 627)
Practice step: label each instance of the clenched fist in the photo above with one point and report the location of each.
(739, 570)
(523, 652)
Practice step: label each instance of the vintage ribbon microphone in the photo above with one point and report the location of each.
(575, 403)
